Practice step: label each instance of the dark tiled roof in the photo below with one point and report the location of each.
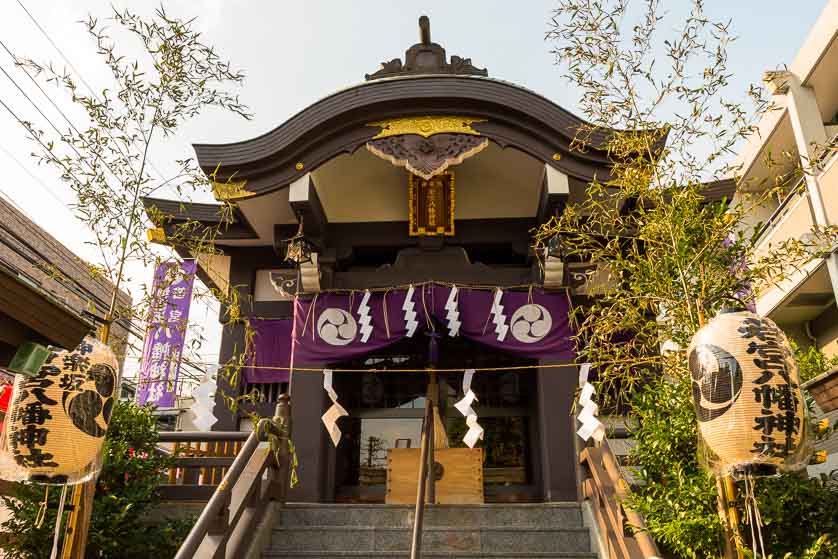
(39, 258)
(207, 214)
(179, 210)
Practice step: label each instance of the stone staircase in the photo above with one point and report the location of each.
(505, 531)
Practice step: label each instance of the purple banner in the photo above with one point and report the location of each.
(335, 327)
(269, 347)
(168, 316)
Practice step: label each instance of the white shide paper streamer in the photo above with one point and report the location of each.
(202, 407)
(475, 431)
(410, 322)
(591, 426)
(453, 314)
(364, 318)
(501, 327)
(335, 412)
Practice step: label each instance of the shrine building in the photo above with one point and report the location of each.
(385, 232)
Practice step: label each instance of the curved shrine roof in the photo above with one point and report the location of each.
(426, 85)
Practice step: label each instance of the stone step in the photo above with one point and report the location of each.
(447, 539)
(425, 554)
(563, 515)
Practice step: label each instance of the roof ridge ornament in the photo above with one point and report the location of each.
(426, 57)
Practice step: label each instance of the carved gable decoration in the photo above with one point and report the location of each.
(427, 145)
(426, 57)
(427, 157)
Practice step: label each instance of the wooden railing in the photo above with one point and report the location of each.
(201, 459)
(621, 530)
(226, 525)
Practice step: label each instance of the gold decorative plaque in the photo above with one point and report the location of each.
(426, 126)
(431, 205)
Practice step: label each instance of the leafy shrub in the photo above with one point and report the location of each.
(812, 362)
(795, 510)
(677, 498)
(125, 494)
(675, 495)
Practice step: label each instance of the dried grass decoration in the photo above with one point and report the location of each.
(58, 418)
(746, 392)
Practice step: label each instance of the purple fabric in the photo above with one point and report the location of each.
(270, 347)
(334, 317)
(528, 335)
(327, 329)
(171, 296)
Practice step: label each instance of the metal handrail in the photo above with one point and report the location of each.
(214, 522)
(780, 211)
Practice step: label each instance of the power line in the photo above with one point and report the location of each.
(40, 232)
(35, 82)
(57, 131)
(81, 77)
(49, 121)
(46, 150)
(49, 191)
(82, 292)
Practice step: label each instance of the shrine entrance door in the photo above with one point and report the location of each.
(386, 410)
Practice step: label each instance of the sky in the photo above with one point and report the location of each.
(294, 53)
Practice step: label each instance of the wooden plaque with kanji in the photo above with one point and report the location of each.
(432, 205)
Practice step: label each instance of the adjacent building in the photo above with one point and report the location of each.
(801, 133)
(48, 294)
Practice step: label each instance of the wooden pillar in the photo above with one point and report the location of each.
(555, 389)
(309, 437)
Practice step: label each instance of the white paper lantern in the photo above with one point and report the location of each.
(746, 392)
(57, 419)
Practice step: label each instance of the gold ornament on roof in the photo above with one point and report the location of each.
(426, 126)
(156, 235)
(230, 190)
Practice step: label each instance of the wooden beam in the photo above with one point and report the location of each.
(555, 191)
(304, 201)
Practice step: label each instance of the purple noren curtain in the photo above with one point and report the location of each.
(330, 327)
(271, 347)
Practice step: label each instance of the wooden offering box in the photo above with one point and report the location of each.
(461, 482)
